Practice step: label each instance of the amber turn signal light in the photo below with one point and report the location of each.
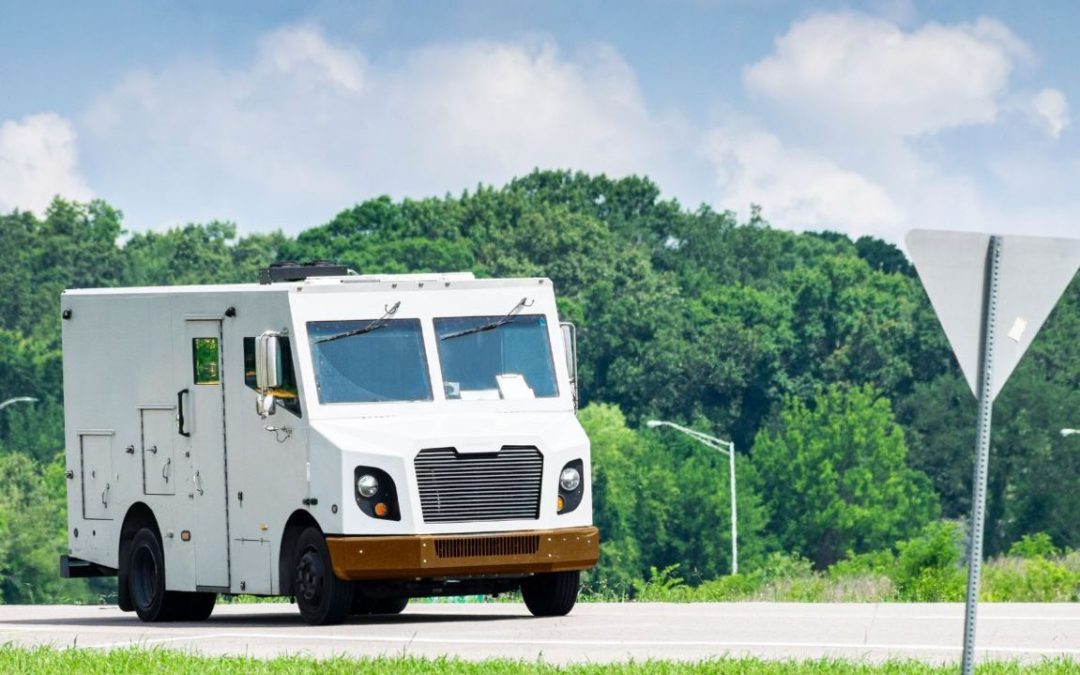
(381, 509)
(560, 503)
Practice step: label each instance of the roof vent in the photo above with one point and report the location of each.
(293, 271)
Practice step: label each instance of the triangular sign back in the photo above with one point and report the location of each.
(1033, 272)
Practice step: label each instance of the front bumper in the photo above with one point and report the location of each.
(442, 556)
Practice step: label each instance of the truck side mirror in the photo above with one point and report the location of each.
(265, 404)
(569, 334)
(267, 372)
(267, 361)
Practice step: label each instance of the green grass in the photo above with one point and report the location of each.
(90, 662)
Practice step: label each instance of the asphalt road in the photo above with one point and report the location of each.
(592, 632)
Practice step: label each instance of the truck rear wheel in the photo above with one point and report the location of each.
(551, 594)
(322, 598)
(146, 579)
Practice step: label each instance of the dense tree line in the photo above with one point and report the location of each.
(817, 355)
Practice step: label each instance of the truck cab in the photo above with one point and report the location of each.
(351, 441)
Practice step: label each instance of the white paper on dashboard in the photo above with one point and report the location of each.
(513, 386)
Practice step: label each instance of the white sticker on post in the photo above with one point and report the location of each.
(1016, 333)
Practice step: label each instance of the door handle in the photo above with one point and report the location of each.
(165, 469)
(198, 484)
(105, 495)
(180, 414)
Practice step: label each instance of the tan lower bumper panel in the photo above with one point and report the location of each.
(426, 556)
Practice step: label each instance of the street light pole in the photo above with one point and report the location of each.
(17, 399)
(727, 448)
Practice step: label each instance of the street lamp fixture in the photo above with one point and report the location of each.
(17, 399)
(1070, 432)
(727, 448)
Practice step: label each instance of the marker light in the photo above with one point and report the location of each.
(560, 503)
(381, 509)
(367, 486)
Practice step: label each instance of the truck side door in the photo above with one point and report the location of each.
(201, 405)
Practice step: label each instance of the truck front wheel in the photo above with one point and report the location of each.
(196, 606)
(146, 579)
(322, 598)
(551, 594)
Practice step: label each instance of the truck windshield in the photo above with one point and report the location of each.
(360, 364)
(509, 357)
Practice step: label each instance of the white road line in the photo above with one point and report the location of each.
(844, 617)
(734, 644)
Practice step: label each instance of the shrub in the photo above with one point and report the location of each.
(928, 567)
(1029, 579)
(874, 563)
(1038, 545)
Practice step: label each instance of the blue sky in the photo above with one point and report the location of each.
(867, 118)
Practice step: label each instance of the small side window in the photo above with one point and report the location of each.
(287, 394)
(205, 359)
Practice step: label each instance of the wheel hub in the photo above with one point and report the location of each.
(309, 578)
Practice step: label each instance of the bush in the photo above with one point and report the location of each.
(1038, 545)
(928, 567)
(874, 563)
(1029, 579)
(661, 586)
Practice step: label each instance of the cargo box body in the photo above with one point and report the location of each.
(161, 419)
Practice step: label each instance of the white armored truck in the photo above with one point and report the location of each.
(348, 440)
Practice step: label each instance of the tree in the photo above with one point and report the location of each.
(662, 499)
(835, 476)
(33, 533)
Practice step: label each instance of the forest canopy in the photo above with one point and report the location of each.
(819, 356)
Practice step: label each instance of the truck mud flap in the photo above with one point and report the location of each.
(75, 568)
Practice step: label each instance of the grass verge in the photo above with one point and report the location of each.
(90, 662)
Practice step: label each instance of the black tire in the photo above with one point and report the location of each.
(145, 576)
(551, 594)
(362, 605)
(323, 599)
(196, 606)
(390, 606)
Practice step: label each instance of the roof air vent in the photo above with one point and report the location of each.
(293, 271)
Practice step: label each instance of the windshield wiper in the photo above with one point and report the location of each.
(374, 325)
(491, 325)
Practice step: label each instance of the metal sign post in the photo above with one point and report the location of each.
(982, 451)
(992, 294)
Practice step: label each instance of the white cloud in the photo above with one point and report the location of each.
(293, 49)
(873, 105)
(797, 188)
(1051, 111)
(38, 162)
(310, 126)
(860, 72)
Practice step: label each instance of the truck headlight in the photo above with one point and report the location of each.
(376, 494)
(367, 485)
(570, 479)
(571, 487)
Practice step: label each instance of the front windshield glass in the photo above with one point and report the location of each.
(369, 361)
(496, 357)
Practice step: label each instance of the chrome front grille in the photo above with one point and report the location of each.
(457, 488)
